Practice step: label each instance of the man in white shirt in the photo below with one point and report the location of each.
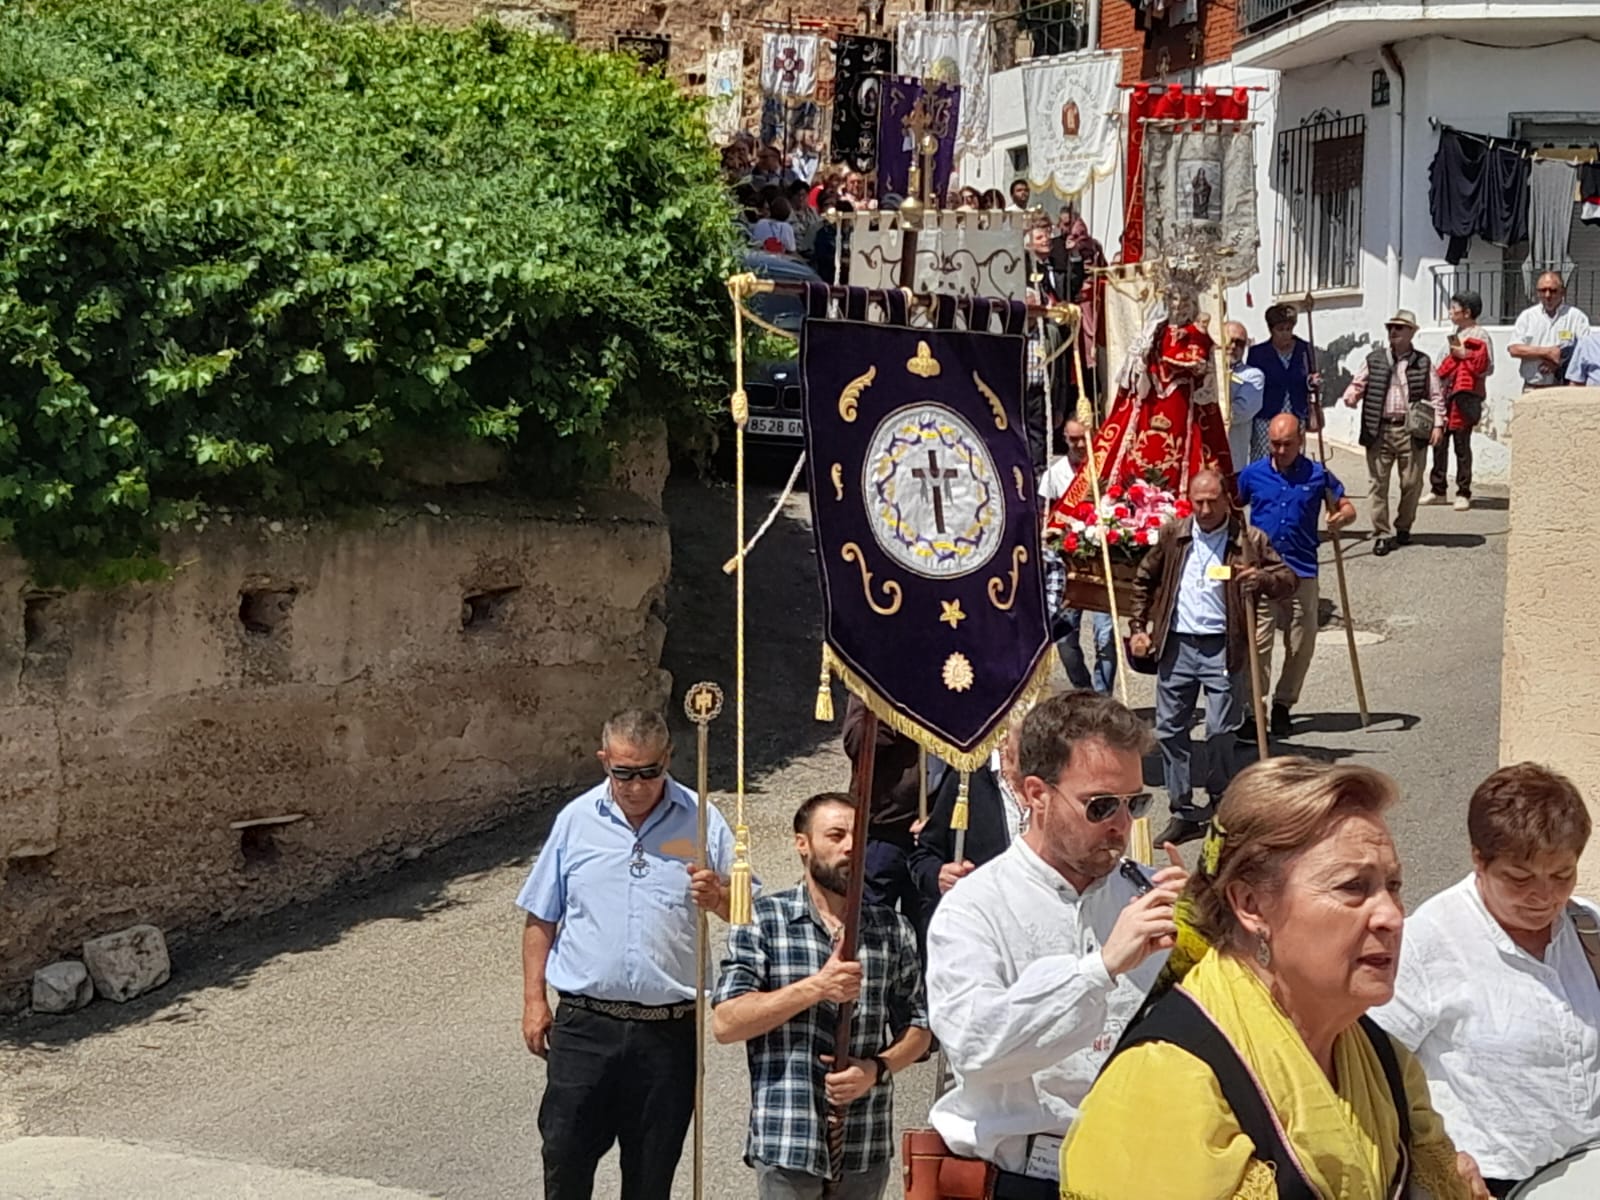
(1021, 194)
(1039, 958)
(1245, 395)
(1544, 335)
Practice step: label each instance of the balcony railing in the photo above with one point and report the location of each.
(1258, 15)
(1507, 291)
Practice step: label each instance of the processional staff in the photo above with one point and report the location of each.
(702, 704)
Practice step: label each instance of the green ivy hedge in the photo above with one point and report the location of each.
(244, 248)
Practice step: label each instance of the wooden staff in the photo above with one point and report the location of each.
(1338, 545)
(1139, 842)
(702, 704)
(1256, 702)
(861, 795)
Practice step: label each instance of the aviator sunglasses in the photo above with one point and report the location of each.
(1102, 808)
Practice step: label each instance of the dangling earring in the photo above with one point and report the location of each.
(1263, 949)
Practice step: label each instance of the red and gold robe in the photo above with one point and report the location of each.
(1164, 435)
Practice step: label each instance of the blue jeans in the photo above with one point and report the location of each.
(1190, 663)
(1069, 622)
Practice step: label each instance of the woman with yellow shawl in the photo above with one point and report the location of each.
(1256, 1074)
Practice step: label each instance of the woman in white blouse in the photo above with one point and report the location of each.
(1496, 995)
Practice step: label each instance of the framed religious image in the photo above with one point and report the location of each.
(1199, 198)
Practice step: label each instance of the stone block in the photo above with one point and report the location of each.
(127, 963)
(62, 987)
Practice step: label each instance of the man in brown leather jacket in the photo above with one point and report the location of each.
(1193, 599)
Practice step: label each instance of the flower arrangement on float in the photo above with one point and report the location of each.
(1127, 519)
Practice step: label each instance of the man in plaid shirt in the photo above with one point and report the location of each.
(782, 982)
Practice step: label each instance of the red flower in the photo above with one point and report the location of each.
(1152, 522)
(1092, 519)
(1070, 543)
(1112, 537)
(1114, 491)
(1183, 508)
(1084, 511)
(1121, 512)
(1141, 538)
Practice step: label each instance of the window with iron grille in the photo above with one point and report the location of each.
(1318, 179)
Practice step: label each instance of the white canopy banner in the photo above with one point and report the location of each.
(1072, 130)
(953, 48)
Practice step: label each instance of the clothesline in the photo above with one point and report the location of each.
(1518, 146)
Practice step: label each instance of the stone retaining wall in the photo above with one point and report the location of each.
(301, 703)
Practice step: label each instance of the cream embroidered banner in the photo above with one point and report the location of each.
(789, 64)
(953, 48)
(1072, 134)
(725, 86)
(1200, 198)
(958, 254)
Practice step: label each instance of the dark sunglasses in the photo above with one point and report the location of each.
(629, 774)
(1237, 342)
(1102, 808)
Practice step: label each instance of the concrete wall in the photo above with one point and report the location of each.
(396, 682)
(1550, 685)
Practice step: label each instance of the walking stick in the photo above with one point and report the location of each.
(703, 704)
(1256, 702)
(1338, 545)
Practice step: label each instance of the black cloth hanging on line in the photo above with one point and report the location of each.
(1478, 188)
(1589, 189)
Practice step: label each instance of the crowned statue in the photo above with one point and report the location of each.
(1165, 425)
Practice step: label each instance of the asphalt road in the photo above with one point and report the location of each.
(368, 1045)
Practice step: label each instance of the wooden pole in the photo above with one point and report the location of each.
(861, 794)
(702, 704)
(1256, 702)
(1338, 544)
(1139, 842)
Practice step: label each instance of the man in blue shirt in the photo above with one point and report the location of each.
(1584, 369)
(612, 927)
(1287, 494)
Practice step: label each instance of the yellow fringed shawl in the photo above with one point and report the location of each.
(1155, 1124)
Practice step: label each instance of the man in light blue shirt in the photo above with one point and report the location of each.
(612, 927)
(1584, 369)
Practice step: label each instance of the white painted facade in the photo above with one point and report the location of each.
(1481, 88)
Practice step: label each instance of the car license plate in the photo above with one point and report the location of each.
(775, 426)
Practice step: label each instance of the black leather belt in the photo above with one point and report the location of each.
(623, 1010)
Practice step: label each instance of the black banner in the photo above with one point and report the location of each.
(861, 64)
(922, 500)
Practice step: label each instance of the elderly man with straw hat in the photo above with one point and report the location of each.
(1402, 414)
(611, 927)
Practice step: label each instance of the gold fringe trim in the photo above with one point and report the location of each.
(962, 760)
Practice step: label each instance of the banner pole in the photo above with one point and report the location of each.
(1139, 843)
(702, 704)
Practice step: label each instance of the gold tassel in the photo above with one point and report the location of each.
(740, 911)
(825, 691)
(1139, 847)
(959, 817)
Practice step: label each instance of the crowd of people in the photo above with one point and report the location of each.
(1271, 1004)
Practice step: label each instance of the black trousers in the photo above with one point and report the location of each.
(610, 1080)
(1461, 440)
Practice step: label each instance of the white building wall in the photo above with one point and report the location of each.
(1470, 87)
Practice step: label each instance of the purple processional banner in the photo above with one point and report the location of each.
(923, 506)
(905, 105)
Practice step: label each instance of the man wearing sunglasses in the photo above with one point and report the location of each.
(1546, 334)
(1194, 606)
(1040, 957)
(611, 928)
